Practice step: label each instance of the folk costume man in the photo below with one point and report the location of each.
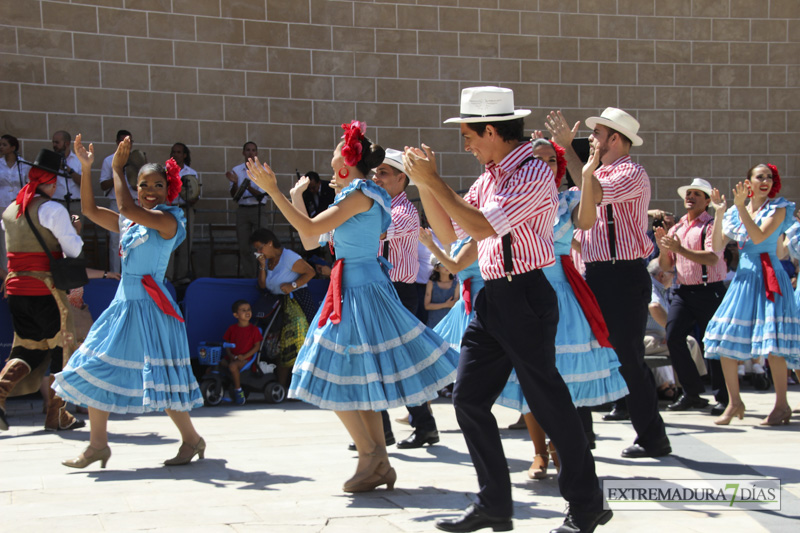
(43, 331)
(401, 250)
(613, 250)
(510, 211)
(701, 273)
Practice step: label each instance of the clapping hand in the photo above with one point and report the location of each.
(593, 162)
(740, 193)
(718, 201)
(426, 237)
(121, 155)
(263, 176)
(420, 166)
(86, 156)
(559, 129)
(668, 242)
(300, 187)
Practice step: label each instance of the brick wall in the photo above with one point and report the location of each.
(714, 83)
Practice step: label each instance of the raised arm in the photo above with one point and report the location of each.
(102, 216)
(758, 234)
(563, 135)
(718, 239)
(326, 221)
(310, 242)
(465, 257)
(164, 223)
(587, 208)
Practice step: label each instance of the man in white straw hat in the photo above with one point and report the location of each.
(613, 249)
(701, 273)
(509, 210)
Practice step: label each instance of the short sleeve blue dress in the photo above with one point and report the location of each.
(135, 358)
(747, 324)
(455, 322)
(590, 371)
(379, 355)
(793, 244)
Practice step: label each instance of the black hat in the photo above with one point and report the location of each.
(48, 160)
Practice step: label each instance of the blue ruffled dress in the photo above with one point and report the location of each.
(452, 327)
(793, 244)
(135, 358)
(747, 324)
(379, 355)
(590, 371)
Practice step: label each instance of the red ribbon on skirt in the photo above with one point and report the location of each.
(159, 297)
(332, 308)
(467, 295)
(587, 301)
(771, 285)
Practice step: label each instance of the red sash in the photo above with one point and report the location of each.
(332, 308)
(587, 301)
(467, 295)
(771, 285)
(159, 297)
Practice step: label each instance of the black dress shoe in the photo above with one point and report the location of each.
(687, 402)
(659, 449)
(474, 519)
(418, 439)
(718, 409)
(389, 441)
(617, 414)
(577, 522)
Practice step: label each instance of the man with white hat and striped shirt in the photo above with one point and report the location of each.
(700, 275)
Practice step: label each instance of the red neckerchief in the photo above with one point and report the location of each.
(587, 301)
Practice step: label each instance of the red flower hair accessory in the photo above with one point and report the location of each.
(561, 162)
(174, 182)
(353, 134)
(776, 181)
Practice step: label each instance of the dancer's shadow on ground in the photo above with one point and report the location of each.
(213, 472)
(139, 439)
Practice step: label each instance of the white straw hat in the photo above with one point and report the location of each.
(698, 184)
(487, 104)
(394, 158)
(619, 120)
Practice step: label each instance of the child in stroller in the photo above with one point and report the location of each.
(247, 366)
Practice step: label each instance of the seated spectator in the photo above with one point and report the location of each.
(655, 339)
(440, 294)
(247, 339)
(284, 273)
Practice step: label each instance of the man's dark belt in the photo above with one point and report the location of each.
(619, 262)
(713, 285)
(255, 205)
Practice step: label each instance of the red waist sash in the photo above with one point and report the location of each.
(771, 285)
(587, 301)
(332, 307)
(159, 297)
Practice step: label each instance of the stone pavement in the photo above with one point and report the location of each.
(279, 468)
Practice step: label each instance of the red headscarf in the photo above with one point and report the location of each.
(36, 177)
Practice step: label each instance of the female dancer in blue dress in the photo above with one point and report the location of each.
(758, 316)
(364, 351)
(584, 356)
(135, 358)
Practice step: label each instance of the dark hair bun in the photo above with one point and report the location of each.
(375, 156)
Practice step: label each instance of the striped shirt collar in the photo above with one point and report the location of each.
(399, 199)
(509, 164)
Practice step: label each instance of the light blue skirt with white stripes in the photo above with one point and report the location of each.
(378, 357)
(135, 359)
(590, 371)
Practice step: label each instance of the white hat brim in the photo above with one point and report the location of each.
(682, 190)
(519, 113)
(591, 122)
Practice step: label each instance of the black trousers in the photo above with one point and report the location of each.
(623, 291)
(515, 327)
(693, 305)
(420, 416)
(36, 318)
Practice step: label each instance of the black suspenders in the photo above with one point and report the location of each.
(704, 268)
(612, 240)
(386, 249)
(508, 257)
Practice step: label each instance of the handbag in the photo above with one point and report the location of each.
(68, 272)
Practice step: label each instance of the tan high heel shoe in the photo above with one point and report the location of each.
(538, 469)
(388, 478)
(82, 461)
(198, 449)
(724, 420)
(777, 419)
(554, 455)
(366, 472)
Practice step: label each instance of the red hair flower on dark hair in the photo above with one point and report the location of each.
(173, 179)
(353, 133)
(776, 181)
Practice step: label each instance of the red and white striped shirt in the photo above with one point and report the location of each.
(690, 233)
(522, 201)
(403, 236)
(627, 187)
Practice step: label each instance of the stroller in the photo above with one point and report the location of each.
(258, 375)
